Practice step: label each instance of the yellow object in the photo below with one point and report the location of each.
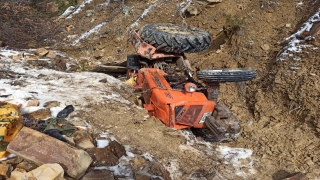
(10, 124)
(131, 81)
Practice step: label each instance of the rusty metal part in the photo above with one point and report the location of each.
(223, 125)
(146, 50)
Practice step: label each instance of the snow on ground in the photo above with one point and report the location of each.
(80, 8)
(87, 34)
(239, 158)
(184, 5)
(78, 89)
(296, 43)
(144, 13)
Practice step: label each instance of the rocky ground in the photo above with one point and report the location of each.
(278, 110)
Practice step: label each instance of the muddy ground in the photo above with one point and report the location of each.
(278, 110)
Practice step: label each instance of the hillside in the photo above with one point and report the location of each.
(279, 110)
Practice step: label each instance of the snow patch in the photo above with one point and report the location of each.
(67, 12)
(192, 140)
(295, 44)
(87, 34)
(79, 8)
(239, 158)
(184, 5)
(144, 13)
(78, 89)
(174, 169)
(148, 156)
(102, 143)
(122, 169)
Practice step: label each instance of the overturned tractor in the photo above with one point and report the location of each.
(163, 75)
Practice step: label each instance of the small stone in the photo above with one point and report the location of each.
(309, 162)
(5, 170)
(40, 149)
(117, 149)
(18, 174)
(138, 161)
(265, 47)
(33, 103)
(16, 57)
(98, 54)
(89, 13)
(83, 140)
(98, 174)
(102, 157)
(41, 52)
(47, 171)
(31, 58)
(39, 114)
(51, 104)
(51, 54)
(27, 165)
(288, 25)
(193, 10)
(69, 28)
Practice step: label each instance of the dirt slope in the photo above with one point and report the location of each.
(278, 110)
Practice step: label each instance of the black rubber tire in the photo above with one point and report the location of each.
(176, 38)
(227, 75)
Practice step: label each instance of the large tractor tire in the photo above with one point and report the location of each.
(176, 38)
(227, 75)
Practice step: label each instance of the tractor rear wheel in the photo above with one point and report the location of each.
(227, 75)
(176, 38)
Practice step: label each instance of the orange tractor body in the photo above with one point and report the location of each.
(175, 108)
